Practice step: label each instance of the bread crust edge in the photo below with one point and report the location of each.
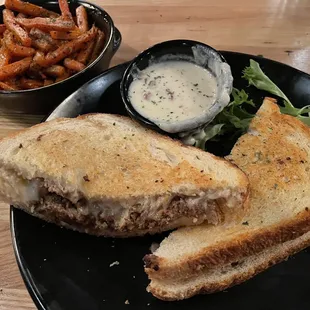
(233, 280)
(247, 244)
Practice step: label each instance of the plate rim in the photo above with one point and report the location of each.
(25, 273)
(22, 266)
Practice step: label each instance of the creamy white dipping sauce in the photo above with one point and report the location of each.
(172, 91)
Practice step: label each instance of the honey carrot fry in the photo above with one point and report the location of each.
(30, 83)
(13, 82)
(38, 57)
(48, 82)
(65, 11)
(81, 18)
(2, 28)
(99, 44)
(11, 24)
(67, 49)
(15, 68)
(6, 86)
(46, 24)
(29, 9)
(42, 40)
(15, 49)
(21, 15)
(42, 45)
(35, 71)
(4, 56)
(61, 42)
(65, 35)
(84, 54)
(55, 71)
(73, 65)
(39, 34)
(63, 77)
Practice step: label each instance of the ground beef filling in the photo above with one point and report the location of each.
(80, 216)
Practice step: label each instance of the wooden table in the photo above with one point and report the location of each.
(277, 29)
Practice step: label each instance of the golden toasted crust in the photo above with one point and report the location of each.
(104, 148)
(275, 156)
(246, 244)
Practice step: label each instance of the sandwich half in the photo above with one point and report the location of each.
(106, 175)
(275, 155)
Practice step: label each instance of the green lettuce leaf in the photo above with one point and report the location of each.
(256, 77)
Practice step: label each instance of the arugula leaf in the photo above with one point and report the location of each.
(256, 77)
(240, 97)
(234, 115)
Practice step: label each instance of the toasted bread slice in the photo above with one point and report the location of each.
(225, 276)
(106, 175)
(275, 154)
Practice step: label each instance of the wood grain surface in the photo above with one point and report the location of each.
(277, 29)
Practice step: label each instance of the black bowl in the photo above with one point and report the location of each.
(43, 100)
(179, 48)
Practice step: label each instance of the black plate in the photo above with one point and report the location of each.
(68, 270)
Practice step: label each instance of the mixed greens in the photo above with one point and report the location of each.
(234, 119)
(256, 77)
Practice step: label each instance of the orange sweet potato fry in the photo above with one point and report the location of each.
(81, 18)
(65, 35)
(46, 24)
(73, 65)
(55, 71)
(11, 24)
(84, 54)
(15, 68)
(67, 49)
(6, 86)
(2, 28)
(65, 11)
(29, 8)
(99, 44)
(4, 56)
(30, 83)
(14, 48)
